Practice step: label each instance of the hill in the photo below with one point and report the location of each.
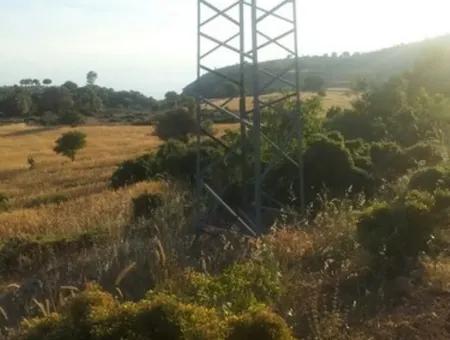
(336, 71)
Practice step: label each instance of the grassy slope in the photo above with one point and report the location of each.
(341, 97)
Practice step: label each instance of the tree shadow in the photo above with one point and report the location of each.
(29, 132)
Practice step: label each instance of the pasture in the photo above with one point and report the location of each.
(60, 197)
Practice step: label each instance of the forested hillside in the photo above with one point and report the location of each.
(40, 102)
(346, 70)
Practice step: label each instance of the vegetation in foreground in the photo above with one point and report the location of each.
(369, 260)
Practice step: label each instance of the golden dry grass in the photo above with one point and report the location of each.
(83, 185)
(340, 97)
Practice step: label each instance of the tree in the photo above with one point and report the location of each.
(56, 99)
(176, 124)
(70, 85)
(17, 103)
(87, 101)
(172, 99)
(47, 82)
(314, 83)
(26, 82)
(70, 143)
(91, 77)
(36, 82)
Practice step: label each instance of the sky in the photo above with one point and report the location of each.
(150, 45)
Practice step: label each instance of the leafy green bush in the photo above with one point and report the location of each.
(96, 315)
(145, 204)
(173, 159)
(177, 124)
(4, 200)
(389, 160)
(399, 230)
(71, 118)
(329, 164)
(430, 179)
(259, 324)
(424, 153)
(70, 143)
(133, 171)
(240, 287)
(353, 124)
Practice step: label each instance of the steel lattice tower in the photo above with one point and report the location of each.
(245, 33)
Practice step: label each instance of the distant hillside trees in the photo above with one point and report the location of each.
(17, 102)
(91, 78)
(68, 103)
(87, 101)
(56, 99)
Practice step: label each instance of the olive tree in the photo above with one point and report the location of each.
(70, 143)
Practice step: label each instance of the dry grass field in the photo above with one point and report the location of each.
(341, 97)
(60, 197)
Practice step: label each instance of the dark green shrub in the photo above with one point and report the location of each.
(259, 324)
(177, 124)
(71, 118)
(173, 159)
(145, 204)
(442, 198)
(353, 125)
(430, 179)
(133, 171)
(424, 153)
(335, 136)
(328, 164)
(4, 201)
(389, 160)
(399, 230)
(360, 152)
(70, 143)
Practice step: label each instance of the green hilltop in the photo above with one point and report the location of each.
(336, 71)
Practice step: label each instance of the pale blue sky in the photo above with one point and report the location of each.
(149, 45)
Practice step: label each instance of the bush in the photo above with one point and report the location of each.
(400, 230)
(389, 160)
(353, 125)
(71, 118)
(424, 153)
(240, 287)
(329, 164)
(259, 324)
(173, 159)
(134, 171)
(430, 179)
(70, 143)
(4, 200)
(96, 315)
(177, 124)
(145, 204)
